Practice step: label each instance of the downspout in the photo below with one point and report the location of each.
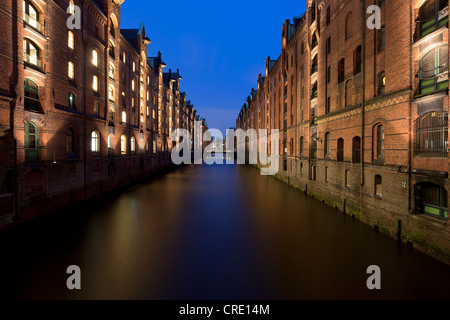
(362, 105)
(410, 109)
(13, 87)
(85, 141)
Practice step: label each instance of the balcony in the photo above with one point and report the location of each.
(432, 85)
(33, 62)
(426, 27)
(36, 25)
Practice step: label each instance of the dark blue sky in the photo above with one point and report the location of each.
(220, 47)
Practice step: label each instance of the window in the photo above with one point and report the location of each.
(328, 16)
(110, 142)
(32, 54)
(381, 39)
(123, 144)
(356, 150)
(95, 58)
(378, 187)
(314, 41)
(124, 117)
(329, 75)
(72, 101)
(96, 108)
(341, 70)
(429, 17)
(95, 142)
(134, 66)
(348, 93)
(378, 144)
(357, 61)
(31, 16)
(71, 40)
(111, 71)
(328, 106)
(291, 147)
(31, 96)
(433, 64)
(301, 146)
(112, 30)
(71, 71)
(340, 150)
(381, 83)
(31, 142)
(327, 147)
(348, 26)
(124, 57)
(133, 144)
(111, 94)
(432, 134)
(431, 199)
(71, 7)
(154, 146)
(70, 143)
(95, 83)
(132, 84)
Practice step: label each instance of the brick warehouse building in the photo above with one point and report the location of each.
(363, 113)
(82, 111)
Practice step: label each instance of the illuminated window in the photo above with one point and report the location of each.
(124, 57)
(110, 142)
(154, 146)
(132, 85)
(95, 58)
(134, 66)
(124, 117)
(95, 83)
(31, 53)
(31, 15)
(72, 104)
(71, 71)
(71, 7)
(123, 145)
(111, 71)
(111, 94)
(71, 40)
(133, 144)
(95, 141)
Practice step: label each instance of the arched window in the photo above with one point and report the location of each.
(95, 57)
(348, 93)
(340, 150)
(432, 64)
(341, 70)
(132, 85)
(378, 187)
(429, 18)
(72, 101)
(431, 199)
(32, 54)
(31, 142)
(71, 40)
(348, 25)
(31, 16)
(327, 147)
(378, 142)
(31, 96)
(432, 134)
(123, 144)
(124, 117)
(357, 60)
(95, 142)
(112, 30)
(356, 150)
(133, 144)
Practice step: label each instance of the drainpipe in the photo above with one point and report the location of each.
(410, 108)
(85, 141)
(362, 105)
(13, 87)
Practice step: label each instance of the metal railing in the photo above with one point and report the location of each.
(428, 26)
(32, 104)
(430, 85)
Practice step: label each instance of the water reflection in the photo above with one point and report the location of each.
(219, 232)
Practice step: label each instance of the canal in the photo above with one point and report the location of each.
(211, 232)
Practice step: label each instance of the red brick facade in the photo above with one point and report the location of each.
(363, 113)
(82, 111)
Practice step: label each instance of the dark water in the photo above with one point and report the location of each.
(220, 232)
